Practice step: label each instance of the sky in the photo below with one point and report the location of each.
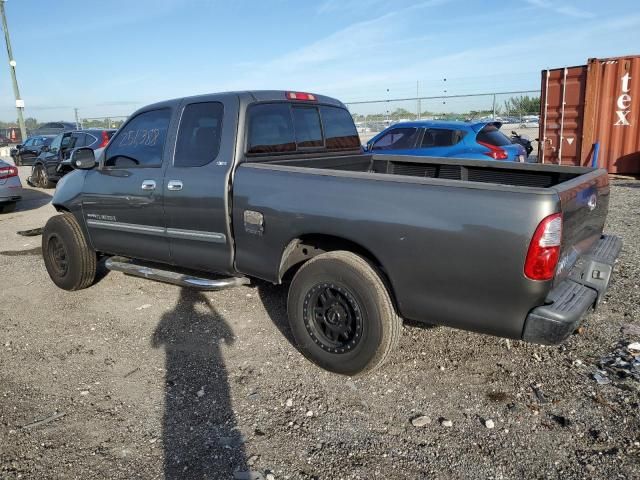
(108, 58)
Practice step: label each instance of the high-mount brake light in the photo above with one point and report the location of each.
(544, 249)
(104, 140)
(494, 152)
(7, 172)
(301, 96)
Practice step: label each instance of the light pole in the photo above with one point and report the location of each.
(12, 69)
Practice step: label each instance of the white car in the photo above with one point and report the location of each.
(10, 187)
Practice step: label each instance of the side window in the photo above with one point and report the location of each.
(441, 137)
(89, 139)
(306, 122)
(270, 129)
(397, 139)
(199, 134)
(339, 129)
(55, 144)
(30, 143)
(77, 140)
(140, 143)
(67, 142)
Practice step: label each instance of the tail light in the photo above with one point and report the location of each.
(104, 140)
(301, 96)
(6, 172)
(494, 152)
(544, 249)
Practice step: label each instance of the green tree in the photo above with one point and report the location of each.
(31, 123)
(522, 104)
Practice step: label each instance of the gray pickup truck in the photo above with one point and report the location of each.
(209, 191)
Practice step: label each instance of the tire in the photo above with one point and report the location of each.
(341, 314)
(8, 207)
(40, 177)
(70, 262)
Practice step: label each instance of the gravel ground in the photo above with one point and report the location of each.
(136, 379)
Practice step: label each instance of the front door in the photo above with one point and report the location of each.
(196, 185)
(122, 200)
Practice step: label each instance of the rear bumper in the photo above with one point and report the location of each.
(569, 301)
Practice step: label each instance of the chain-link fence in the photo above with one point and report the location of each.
(518, 110)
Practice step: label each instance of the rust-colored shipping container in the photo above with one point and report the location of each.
(588, 104)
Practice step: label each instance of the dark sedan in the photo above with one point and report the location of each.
(26, 153)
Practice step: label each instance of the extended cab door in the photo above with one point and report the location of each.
(122, 199)
(197, 184)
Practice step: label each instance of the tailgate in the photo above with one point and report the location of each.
(584, 202)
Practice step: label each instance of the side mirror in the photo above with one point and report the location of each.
(83, 158)
(45, 148)
(19, 146)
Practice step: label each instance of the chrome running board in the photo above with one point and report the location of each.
(128, 266)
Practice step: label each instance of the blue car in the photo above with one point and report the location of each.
(439, 138)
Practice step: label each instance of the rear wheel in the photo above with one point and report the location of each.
(70, 262)
(341, 313)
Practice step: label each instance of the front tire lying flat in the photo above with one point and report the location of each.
(70, 262)
(341, 313)
(40, 177)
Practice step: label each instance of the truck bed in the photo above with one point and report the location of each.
(493, 172)
(441, 229)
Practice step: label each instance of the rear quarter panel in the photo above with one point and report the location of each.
(454, 255)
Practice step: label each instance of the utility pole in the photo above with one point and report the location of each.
(78, 126)
(418, 98)
(494, 106)
(12, 69)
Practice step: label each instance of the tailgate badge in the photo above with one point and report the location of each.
(593, 201)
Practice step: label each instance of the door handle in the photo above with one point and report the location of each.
(174, 185)
(149, 185)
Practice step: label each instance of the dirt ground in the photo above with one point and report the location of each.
(136, 379)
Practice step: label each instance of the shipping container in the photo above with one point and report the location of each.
(591, 111)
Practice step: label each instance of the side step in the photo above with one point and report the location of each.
(128, 266)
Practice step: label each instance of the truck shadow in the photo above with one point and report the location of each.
(274, 299)
(200, 437)
(32, 199)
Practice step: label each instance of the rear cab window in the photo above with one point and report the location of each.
(199, 134)
(284, 127)
(493, 136)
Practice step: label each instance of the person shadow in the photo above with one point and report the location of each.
(200, 434)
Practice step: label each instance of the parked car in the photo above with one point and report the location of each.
(206, 192)
(448, 139)
(53, 161)
(10, 187)
(54, 128)
(26, 153)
